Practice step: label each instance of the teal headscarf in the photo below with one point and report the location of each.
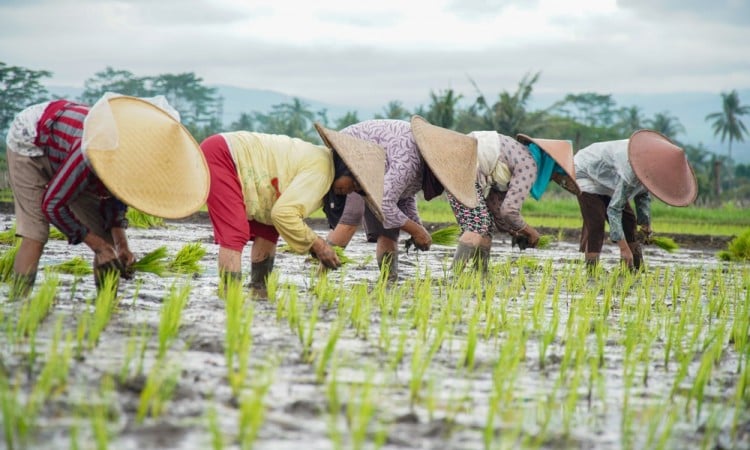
(545, 167)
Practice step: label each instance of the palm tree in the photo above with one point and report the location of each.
(442, 110)
(727, 122)
(666, 124)
(630, 120)
(508, 114)
(394, 110)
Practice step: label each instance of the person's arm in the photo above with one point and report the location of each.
(614, 214)
(522, 178)
(299, 200)
(66, 185)
(643, 212)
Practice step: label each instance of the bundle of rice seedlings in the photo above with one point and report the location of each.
(186, 260)
(152, 262)
(56, 234)
(544, 241)
(8, 236)
(76, 266)
(138, 219)
(664, 243)
(446, 236)
(738, 249)
(6, 262)
(342, 257)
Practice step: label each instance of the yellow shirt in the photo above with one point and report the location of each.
(283, 181)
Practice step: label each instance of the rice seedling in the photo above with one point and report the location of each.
(104, 306)
(187, 259)
(99, 414)
(75, 266)
(738, 248)
(16, 425)
(212, 417)
(6, 262)
(544, 242)
(238, 340)
(56, 235)
(8, 237)
(664, 243)
(326, 355)
(171, 316)
(360, 409)
(342, 256)
(252, 408)
(447, 236)
(139, 219)
(160, 385)
(153, 262)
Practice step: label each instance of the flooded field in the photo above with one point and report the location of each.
(540, 354)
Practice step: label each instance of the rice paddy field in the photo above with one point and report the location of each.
(539, 354)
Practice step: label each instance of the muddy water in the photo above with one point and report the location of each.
(454, 402)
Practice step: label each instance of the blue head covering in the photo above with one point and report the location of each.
(545, 167)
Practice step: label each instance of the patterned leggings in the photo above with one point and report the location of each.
(478, 220)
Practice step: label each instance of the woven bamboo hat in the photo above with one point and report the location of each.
(145, 157)
(365, 159)
(662, 167)
(451, 156)
(562, 152)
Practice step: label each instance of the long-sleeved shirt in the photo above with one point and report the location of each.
(59, 132)
(403, 167)
(283, 181)
(510, 167)
(603, 168)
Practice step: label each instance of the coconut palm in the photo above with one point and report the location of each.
(666, 124)
(442, 109)
(727, 122)
(394, 110)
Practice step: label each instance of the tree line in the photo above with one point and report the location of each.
(583, 118)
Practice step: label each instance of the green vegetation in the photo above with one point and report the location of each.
(738, 249)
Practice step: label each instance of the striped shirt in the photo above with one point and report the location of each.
(59, 134)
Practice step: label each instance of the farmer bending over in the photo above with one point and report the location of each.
(612, 173)
(263, 186)
(78, 167)
(506, 171)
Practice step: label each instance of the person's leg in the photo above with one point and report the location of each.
(630, 226)
(476, 238)
(262, 255)
(226, 209)
(594, 213)
(386, 253)
(28, 180)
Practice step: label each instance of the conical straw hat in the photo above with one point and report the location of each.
(561, 151)
(145, 157)
(365, 159)
(662, 167)
(451, 156)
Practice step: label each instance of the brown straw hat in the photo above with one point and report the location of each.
(562, 152)
(452, 157)
(662, 167)
(365, 159)
(145, 157)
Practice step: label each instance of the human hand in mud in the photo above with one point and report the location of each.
(525, 238)
(325, 254)
(645, 234)
(127, 259)
(420, 237)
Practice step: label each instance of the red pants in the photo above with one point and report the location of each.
(226, 204)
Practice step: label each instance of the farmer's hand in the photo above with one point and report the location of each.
(626, 255)
(325, 254)
(127, 259)
(422, 238)
(531, 233)
(646, 232)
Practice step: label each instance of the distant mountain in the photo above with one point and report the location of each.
(690, 108)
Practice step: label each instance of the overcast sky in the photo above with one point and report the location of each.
(368, 53)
